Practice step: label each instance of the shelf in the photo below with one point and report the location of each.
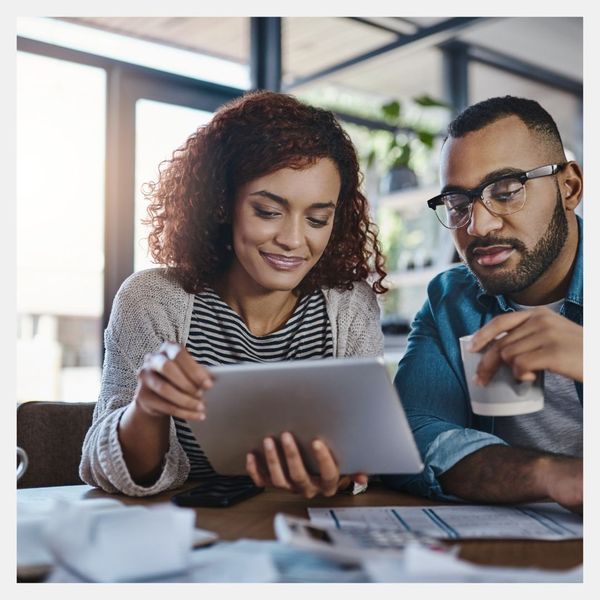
(415, 276)
(411, 199)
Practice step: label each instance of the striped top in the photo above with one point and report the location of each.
(219, 336)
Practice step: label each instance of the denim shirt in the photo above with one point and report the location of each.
(430, 378)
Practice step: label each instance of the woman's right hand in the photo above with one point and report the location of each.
(172, 383)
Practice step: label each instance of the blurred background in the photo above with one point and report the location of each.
(102, 101)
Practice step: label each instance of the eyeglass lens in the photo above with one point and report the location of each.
(501, 197)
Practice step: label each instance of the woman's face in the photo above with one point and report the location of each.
(282, 223)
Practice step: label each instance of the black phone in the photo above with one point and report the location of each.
(219, 491)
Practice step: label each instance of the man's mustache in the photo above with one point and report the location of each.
(495, 241)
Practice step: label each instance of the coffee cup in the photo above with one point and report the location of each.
(504, 395)
(22, 462)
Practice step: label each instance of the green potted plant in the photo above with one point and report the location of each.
(395, 151)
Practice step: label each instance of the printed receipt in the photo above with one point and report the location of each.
(536, 521)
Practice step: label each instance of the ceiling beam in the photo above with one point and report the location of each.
(524, 69)
(427, 36)
(398, 31)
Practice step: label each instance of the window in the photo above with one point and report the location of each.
(160, 129)
(60, 226)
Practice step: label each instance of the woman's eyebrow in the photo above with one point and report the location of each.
(271, 196)
(285, 202)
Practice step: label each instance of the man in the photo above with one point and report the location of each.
(508, 197)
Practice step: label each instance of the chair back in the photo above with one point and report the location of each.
(52, 434)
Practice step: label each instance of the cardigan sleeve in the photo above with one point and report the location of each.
(139, 323)
(355, 318)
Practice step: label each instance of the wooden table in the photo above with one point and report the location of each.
(253, 518)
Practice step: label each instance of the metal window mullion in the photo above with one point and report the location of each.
(120, 187)
(265, 53)
(456, 75)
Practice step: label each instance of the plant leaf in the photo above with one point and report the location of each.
(391, 110)
(426, 137)
(427, 100)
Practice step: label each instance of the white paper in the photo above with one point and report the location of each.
(32, 517)
(127, 544)
(232, 563)
(537, 521)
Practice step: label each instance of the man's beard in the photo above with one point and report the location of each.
(534, 263)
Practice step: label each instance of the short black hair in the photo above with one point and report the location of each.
(486, 112)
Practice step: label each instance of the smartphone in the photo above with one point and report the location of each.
(219, 491)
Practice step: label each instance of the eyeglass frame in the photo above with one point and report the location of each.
(475, 194)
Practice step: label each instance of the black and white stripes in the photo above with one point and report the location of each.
(219, 336)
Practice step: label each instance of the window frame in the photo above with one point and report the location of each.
(125, 85)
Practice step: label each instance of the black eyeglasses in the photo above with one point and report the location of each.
(503, 195)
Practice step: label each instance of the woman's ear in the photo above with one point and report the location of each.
(571, 182)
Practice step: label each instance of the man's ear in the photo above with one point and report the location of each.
(571, 182)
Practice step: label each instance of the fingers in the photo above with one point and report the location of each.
(252, 468)
(516, 354)
(184, 364)
(288, 471)
(298, 474)
(360, 478)
(163, 388)
(498, 325)
(276, 472)
(156, 405)
(169, 385)
(534, 340)
(328, 470)
(171, 371)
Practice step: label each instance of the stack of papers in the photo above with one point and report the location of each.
(106, 541)
(536, 521)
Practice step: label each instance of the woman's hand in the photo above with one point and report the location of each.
(172, 383)
(292, 475)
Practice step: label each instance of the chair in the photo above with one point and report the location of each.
(52, 435)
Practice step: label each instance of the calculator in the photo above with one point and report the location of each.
(350, 545)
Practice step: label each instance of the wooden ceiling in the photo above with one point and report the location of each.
(310, 44)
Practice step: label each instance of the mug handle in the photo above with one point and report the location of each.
(22, 467)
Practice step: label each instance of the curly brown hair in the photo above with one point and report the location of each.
(191, 204)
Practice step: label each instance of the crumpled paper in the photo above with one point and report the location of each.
(132, 543)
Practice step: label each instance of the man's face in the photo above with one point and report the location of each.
(507, 254)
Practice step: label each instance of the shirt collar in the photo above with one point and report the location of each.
(575, 291)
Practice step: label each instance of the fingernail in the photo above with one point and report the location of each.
(318, 445)
(286, 438)
(269, 445)
(208, 383)
(477, 380)
(198, 393)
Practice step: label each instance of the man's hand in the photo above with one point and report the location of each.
(531, 340)
(563, 480)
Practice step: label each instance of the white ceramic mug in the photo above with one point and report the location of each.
(23, 462)
(504, 395)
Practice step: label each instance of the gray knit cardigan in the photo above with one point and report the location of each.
(150, 308)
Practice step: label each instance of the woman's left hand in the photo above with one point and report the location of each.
(293, 475)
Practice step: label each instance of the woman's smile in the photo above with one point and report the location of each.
(282, 262)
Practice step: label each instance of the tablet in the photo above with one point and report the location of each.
(349, 403)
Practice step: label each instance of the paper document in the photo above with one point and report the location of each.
(537, 521)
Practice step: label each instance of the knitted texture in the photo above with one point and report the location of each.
(151, 308)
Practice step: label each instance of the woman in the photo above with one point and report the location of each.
(267, 243)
